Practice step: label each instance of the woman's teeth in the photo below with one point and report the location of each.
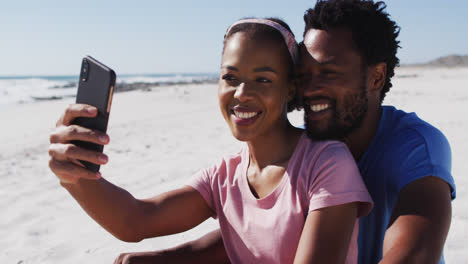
(319, 107)
(245, 115)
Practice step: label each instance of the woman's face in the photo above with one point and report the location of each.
(254, 88)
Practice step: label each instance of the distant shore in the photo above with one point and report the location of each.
(451, 61)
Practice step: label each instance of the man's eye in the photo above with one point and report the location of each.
(228, 77)
(329, 74)
(303, 77)
(263, 80)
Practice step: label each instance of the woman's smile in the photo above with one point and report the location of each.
(244, 116)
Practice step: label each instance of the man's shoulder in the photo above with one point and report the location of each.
(403, 127)
(416, 149)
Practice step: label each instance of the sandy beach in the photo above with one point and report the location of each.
(159, 138)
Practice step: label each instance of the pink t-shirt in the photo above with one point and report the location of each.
(319, 174)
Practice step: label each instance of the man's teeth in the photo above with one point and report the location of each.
(319, 107)
(245, 115)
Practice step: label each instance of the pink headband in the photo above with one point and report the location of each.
(288, 36)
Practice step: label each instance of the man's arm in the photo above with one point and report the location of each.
(207, 249)
(420, 223)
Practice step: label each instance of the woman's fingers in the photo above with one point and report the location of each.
(70, 152)
(64, 134)
(65, 156)
(67, 172)
(76, 110)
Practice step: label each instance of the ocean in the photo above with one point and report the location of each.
(30, 89)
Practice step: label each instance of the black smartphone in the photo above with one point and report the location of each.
(95, 87)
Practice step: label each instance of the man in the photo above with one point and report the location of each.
(346, 63)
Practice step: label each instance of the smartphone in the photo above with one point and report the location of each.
(95, 87)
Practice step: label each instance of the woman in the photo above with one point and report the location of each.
(282, 199)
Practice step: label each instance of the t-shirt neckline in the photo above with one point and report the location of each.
(271, 198)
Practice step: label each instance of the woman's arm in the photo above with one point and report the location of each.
(132, 220)
(327, 234)
(114, 208)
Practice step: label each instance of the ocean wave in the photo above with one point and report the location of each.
(14, 90)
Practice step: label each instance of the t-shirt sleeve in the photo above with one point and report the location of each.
(335, 180)
(202, 182)
(423, 151)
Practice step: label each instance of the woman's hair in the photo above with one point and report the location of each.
(263, 32)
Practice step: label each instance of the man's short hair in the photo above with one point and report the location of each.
(373, 32)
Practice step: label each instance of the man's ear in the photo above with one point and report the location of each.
(376, 75)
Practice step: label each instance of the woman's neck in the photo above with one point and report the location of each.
(274, 148)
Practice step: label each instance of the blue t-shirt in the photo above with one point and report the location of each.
(404, 149)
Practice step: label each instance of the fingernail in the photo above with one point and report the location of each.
(103, 139)
(103, 158)
(98, 175)
(91, 110)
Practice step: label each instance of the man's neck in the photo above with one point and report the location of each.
(359, 140)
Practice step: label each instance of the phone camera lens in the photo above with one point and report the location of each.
(84, 70)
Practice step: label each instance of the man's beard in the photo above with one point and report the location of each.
(346, 119)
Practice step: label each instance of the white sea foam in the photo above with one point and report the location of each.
(165, 78)
(26, 90)
(19, 90)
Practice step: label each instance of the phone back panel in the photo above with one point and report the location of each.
(95, 88)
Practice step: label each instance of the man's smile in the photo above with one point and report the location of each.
(319, 107)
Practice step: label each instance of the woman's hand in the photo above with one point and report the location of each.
(65, 155)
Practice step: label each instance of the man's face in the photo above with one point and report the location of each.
(333, 82)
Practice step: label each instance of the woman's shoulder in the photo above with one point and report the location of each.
(320, 147)
(228, 161)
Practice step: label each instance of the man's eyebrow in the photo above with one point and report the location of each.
(232, 68)
(264, 69)
(329, 62)
(259, 69)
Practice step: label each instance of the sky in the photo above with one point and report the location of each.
(50, 37)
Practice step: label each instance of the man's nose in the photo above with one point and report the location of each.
(308, 85)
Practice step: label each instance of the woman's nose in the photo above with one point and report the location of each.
(243, 91)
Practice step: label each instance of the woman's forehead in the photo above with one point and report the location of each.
(242, 46)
